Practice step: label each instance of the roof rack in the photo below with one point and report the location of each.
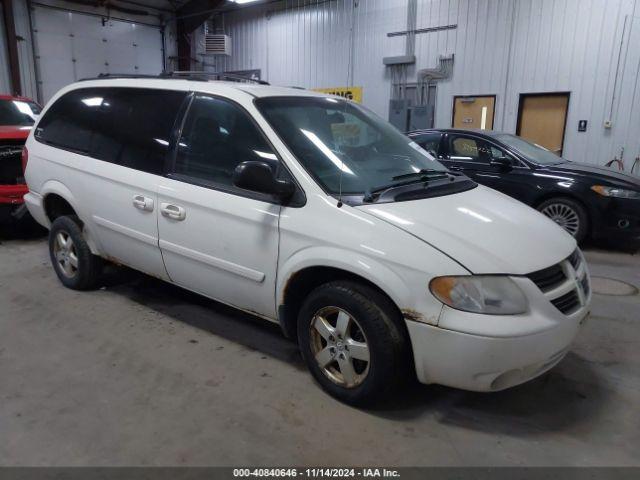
(218, 76)
(180, 75)
(111, 76)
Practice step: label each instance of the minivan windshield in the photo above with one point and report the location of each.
(345, 145)
(533, 152)
(18, 112)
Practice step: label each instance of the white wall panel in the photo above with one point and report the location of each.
(501, 47)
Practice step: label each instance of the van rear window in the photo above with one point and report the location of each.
(126, 126)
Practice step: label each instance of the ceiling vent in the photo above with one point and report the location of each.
(217, 44)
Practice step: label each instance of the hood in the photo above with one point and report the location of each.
(11, 132)
(597, 173)
(484, 230)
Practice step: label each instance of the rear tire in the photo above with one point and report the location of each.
(352, 340)
(77, 268)
(568, 214)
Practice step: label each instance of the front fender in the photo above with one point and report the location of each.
(405, 296)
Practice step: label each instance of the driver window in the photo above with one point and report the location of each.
(469, 149)
(217, 136)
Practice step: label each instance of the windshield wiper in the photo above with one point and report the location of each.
(424, 172)
(422, 176)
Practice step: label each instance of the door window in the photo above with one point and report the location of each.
(430, 142)
(471, 149)
(133, 127)
(217, 136)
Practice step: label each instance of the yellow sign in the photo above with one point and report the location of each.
(351, 93)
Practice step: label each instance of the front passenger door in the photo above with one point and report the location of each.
(473, 156)
(215, 238)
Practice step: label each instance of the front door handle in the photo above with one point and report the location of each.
(172, 211)
(143, 203)
(455, 168)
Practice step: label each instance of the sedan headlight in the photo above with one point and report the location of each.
(488, 294)
(615, 192)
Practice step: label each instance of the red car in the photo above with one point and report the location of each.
(17, 116)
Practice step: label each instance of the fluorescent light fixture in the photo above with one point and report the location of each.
(240, 2)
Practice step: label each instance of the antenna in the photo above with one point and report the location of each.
(346, 101)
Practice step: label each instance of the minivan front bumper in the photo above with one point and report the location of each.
(492, 352)
(481, 363)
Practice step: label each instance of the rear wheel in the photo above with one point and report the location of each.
(77, 268)
(352, 341)
(569, 214)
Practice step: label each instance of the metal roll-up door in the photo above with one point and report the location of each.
(71, 46)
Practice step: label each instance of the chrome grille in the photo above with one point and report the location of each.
(565, 284)
(549, 278)
(567, 302)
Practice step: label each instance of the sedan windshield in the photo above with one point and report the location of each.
(344, 145)
(532, 151)
(18, 112)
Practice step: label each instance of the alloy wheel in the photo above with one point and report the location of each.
(65, 254)
(339, 347)
(563, 215)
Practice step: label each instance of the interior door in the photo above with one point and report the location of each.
(474, 112)
(216, 239)
(542, 119)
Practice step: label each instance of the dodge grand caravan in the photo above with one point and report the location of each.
(307, 210)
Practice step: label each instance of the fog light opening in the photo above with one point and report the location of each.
(624, 223)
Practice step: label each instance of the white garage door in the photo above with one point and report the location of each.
(71, 46)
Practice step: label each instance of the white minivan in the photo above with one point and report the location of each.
(307, 210)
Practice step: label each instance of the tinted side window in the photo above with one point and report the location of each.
(67, 123)
(133, 127)
(217, 136)
(430, 142)
(469, 149)
(127, 126)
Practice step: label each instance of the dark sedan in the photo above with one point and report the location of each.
(584, 199)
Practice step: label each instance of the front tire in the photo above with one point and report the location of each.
(352, 341)
(568, 214)
(77, 268)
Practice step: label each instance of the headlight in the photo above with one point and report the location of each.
(490, 294)
(615, 192)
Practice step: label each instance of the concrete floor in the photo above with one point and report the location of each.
(142, 373)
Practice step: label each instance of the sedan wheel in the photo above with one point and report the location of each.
(563, 215)
(340, 347)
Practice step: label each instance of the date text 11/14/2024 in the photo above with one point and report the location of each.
(316, 472)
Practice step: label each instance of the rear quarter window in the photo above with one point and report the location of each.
(130, 127)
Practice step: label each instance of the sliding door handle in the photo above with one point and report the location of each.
(175, 212)
(143, 203)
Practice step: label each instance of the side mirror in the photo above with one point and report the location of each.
(258, 177)
(503, 163)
